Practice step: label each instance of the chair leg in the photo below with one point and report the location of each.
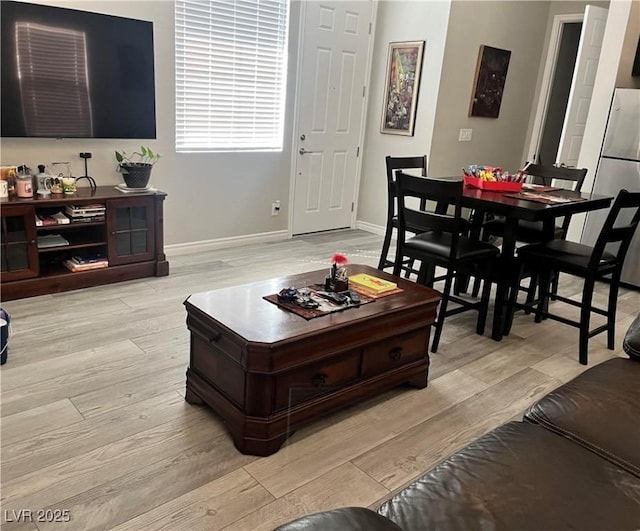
(543, 289)
(427, 274)
(475, 290)
(531, 291)
(513, 298)
(484, 307)
(443, 310)
(611, 309)
(554, 285)
(383, 262)
(585, 315)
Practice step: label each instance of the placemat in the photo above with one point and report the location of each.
(326, 307)
(547, 199)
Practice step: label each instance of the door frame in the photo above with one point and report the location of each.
(296, 111)
(555, 41)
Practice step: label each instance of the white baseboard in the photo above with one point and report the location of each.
(224, 243)
(370, 227)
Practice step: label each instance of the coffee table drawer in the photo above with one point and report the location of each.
(301, 384)
(389, 353)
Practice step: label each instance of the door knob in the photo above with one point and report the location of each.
(303, 151)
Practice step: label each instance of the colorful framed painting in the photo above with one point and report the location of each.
(491, 74)
(401, 87)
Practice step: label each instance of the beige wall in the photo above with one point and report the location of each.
(400, 21)
(496, 141)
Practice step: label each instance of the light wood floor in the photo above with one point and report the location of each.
(94, 421)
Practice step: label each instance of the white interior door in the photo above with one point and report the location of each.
(584, 73)
(330, 107)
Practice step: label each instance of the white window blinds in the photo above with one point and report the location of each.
(231, 66)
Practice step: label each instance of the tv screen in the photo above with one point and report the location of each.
(73, 74)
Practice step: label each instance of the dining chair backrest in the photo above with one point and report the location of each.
(397, 164)
(619, 227)
(545, 176)
(437, 196)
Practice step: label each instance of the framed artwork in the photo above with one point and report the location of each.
(401, 87)
(491, 74)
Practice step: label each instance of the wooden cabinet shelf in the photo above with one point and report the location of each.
(74, 245)
(71, 226)
(131, 237)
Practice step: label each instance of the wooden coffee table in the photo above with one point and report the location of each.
(266, 371)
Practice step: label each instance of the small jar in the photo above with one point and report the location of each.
(24, 186)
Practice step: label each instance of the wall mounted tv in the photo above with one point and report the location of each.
(67, 73)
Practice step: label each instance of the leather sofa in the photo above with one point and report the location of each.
(572, 463)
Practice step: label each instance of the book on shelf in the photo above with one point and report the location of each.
(51, 240)
(87, 219)
(73, 267)
(85, 210)
(96, 258)
(60, 218)
(372, 284)
(44, 221)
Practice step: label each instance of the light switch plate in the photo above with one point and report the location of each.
(465, 135)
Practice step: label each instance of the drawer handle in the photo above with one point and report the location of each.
(319, 379)
(396, 353)
(214, 337)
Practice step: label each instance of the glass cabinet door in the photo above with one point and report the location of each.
(131, 230)
(18, 247)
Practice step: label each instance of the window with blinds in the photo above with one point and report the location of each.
(231, 67)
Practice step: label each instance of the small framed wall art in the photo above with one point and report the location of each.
(401, 87)
(491, 74)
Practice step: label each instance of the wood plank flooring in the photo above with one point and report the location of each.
(94, 424)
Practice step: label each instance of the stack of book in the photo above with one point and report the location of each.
(372, 286)
(86, 213)
(46, 241)
(58, 218)
(86, 263)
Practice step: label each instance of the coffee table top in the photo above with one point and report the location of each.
(243, 310)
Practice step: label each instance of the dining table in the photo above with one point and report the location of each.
(513, 207)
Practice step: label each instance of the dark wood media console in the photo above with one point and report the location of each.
(130, 235)
(266, 371)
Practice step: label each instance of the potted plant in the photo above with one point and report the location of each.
(136, 168)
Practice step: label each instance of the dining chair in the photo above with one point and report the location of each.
(591, 263)
(394, 165)
(533, 231)
(438, 240)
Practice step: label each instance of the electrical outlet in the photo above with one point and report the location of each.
(275, 208)
(465, 135)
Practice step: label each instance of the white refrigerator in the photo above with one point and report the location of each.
(618, 168)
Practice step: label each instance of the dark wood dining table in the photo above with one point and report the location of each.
(514, 209)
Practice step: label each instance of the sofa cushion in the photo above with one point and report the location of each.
(631, 342)
(519, 476)
(600, 410)
(344, 519)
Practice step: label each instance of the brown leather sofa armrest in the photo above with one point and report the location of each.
(344, 519)
(631, 343)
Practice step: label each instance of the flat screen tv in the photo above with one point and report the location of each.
(67, 73)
